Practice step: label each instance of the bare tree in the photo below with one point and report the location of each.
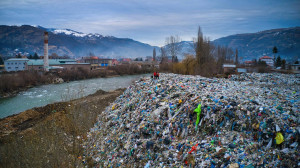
(236, 57)
(173, 47)
(154, 54)
(164, 58)
(222, 55)
(204, 51)
(199, 46)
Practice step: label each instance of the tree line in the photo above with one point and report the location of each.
(206, 58)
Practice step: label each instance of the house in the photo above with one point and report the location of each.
(295, 67)
(125, 61)
(249, 63)
(15, 64)
(229, 68)
(269, 61)
(114, 62)
(69, 64)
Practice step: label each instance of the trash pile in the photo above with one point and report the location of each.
(249, 120)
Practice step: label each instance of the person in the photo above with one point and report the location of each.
(154, 75)
(157, 75)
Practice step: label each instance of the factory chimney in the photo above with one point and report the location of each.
(46, 63)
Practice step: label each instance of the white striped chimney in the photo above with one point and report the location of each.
(46, 63)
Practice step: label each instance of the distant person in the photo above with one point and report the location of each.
(154, 75)
(157, 75)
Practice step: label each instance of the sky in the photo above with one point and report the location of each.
(151, 21)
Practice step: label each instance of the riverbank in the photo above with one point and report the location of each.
(50, 136)
(13, 83)
(47, 94)
(21, 89)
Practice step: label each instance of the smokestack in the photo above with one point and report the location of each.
(46, 63)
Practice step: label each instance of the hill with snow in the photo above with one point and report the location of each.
(76, 44)
(29, 39)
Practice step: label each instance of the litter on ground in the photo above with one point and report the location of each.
(248, 120)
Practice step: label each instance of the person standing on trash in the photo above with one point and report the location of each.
(154, 75)
(157, 75)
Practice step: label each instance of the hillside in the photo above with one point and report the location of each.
(253, 45)
(68, 42)
(14, 39)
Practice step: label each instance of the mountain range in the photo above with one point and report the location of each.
(250, 46)
(30, 39)
(253, 45)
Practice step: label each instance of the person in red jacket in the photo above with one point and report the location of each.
(154, 75)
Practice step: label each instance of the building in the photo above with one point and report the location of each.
(96, 62)
(15, 64)
(103, 62)
(241, 70)
(249, 63)
(295, 67)
(229, 68)
(124, 61)
(68, 64)
(269, 61)
(114, 62)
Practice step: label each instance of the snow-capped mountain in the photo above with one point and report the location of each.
(29, 39)
(69, 42)
(69, 32)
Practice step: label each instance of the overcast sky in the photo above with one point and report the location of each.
(151, 21)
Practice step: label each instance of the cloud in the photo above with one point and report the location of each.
(152, 21)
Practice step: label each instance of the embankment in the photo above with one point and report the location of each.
(15, 82)
(50, 136)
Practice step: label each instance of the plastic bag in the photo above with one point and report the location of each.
(198, 111)
(279, 138)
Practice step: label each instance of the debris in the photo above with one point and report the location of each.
(237, 121)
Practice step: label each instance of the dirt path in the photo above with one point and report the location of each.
(50, 136)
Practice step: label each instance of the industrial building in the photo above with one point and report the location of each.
(68, 64)
(45, 64)
(96, 62)
(15, 64)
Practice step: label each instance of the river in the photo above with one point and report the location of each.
(47, 94)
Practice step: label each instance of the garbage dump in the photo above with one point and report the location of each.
(247, 121)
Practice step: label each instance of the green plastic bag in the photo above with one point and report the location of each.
(198, 111)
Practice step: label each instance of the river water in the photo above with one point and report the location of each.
(47, 94)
